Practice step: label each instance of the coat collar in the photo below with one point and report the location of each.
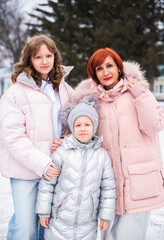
(22, 77)
(108, 95)
(71, 142)
(131, 70)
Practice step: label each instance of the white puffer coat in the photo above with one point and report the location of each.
(86, 182)
(26, 128)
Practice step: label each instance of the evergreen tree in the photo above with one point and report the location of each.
(132, 28)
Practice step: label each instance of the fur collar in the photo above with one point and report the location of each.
(86, 87)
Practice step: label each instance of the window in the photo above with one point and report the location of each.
(159, 88)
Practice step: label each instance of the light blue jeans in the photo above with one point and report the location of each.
(24, 224)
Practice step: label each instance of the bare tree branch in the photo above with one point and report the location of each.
(13, 33)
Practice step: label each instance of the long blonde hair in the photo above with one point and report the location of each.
(31, 48)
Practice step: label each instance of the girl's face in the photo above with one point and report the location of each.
(108, 73)
(43, 61)
(83, 129)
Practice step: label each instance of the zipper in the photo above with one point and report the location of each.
(84, 156)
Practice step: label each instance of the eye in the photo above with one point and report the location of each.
(50, 55)
(37, 57)
(98, 69)
(109, 65)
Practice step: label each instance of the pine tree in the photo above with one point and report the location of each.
(131, 28)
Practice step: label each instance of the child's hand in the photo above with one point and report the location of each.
(52, 171)
(103, 225)
(56, 144)
(44, 221)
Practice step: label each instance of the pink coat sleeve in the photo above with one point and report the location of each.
(150, 113)
(15, 138)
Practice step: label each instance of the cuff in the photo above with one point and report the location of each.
(138, 91)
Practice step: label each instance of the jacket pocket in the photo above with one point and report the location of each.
(57, 205)
(144, 180)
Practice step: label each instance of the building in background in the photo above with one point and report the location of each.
(159, 84)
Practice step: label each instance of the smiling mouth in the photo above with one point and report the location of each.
(106, 79)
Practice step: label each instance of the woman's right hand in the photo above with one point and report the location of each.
(52, 171)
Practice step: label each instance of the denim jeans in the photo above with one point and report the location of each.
(24, 224)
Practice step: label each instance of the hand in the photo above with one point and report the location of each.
(135, 83)
(56, 144)
(44, 221)
(103, 225)
(52, 171)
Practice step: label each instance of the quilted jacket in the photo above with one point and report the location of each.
(72, 200)
(130, 128)
(26, 128)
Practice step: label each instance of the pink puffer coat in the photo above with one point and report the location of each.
(27, 129)
(130, 131)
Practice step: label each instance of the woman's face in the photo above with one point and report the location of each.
(108, 73)
(43, 62)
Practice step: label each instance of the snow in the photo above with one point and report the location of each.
(156, 223)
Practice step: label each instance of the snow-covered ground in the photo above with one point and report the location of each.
(156, 224)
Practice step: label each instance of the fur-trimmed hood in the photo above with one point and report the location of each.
(131, 70)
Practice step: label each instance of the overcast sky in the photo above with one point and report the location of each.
(28, 5)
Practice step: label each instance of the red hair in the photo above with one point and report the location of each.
(98, 58)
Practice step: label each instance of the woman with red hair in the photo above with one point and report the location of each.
(130, 120)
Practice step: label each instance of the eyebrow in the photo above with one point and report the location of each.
(105, 63)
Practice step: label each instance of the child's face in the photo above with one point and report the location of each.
(43, 62)
(83, 129)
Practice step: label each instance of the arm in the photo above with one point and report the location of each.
(46, 191)
(150, 114)
(108, 190)
(45, 196)
(14, 137)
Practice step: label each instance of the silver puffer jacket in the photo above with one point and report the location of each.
(84, 191)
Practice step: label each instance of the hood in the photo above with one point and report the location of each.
(86, 87)
(22, 77)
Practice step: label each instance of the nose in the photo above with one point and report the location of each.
(82, 129)
(44, 60)
(106, 71)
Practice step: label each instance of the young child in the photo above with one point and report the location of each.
(69, 205)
